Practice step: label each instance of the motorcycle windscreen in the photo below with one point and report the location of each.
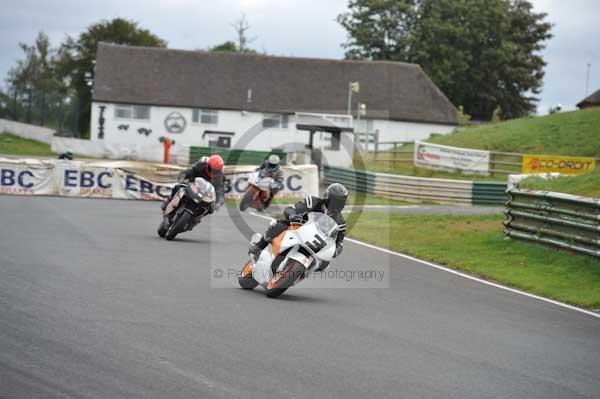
(205, 190)
(325, 224)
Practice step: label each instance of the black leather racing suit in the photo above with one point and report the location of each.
(201, 169)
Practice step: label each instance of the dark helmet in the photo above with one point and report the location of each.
(335, 197)
(273, 161)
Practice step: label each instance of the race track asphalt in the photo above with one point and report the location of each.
(94, 305)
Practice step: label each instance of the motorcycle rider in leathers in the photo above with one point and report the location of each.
(270, 168)
(333, 202)
(208, 168)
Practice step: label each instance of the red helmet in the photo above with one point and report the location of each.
(215, 162)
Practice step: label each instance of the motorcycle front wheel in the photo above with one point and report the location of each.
(178, 225)
(284, 279)
(245, 280)
(162, 228)
(246, 200)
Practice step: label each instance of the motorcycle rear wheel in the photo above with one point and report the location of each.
(178, 226)
(284, 280)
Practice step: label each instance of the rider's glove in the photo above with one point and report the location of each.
(338, 250)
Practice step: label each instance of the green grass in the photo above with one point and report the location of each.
(476, 245)
(15, 145)
(574, 133)
(587, 185)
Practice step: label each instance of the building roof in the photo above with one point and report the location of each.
(593, 99)
(221, 80)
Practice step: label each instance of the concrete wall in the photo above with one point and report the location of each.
(27, 131)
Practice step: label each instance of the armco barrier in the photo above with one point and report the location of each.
(129, 180)
(410, 188)
(485, 193)
(561, 220)
(233, 157)
(356, 180)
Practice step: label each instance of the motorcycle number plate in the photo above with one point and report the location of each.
(317, 244)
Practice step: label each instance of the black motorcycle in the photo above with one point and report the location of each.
(188, 206)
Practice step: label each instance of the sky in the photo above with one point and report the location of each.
(303, 28)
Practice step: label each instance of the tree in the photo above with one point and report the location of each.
(480, 53)
(34, 85)
(378, 29)
(241, 26)
(227, 46)
(78, 55)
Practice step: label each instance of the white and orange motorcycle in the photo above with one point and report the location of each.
(292, 256)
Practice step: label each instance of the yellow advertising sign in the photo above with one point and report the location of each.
(558, 164)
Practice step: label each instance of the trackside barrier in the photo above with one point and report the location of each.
(27, 131)
(180, 154)
(410, 188)
(129, 180)
(560, 220)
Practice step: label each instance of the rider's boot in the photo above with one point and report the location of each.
(256, 249)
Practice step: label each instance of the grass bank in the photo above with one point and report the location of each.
(476, 245)
(587, 185)
(566, 133)
(15, 145)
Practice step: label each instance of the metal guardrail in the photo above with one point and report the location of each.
(410, 188)
(560, 220)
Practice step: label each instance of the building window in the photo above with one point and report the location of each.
(220, 142)
(141, 112)
(123, 112)
(132, 112)
(205, 116)
(276, 121)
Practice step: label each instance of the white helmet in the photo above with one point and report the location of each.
(273, 161)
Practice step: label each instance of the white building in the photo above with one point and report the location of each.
(223, 99)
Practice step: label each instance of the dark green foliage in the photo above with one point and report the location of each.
(48, 86)
(481, 53)
(77, 56)
(227, 46)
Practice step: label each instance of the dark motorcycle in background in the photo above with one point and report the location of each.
(257, 193)
(186, 209)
